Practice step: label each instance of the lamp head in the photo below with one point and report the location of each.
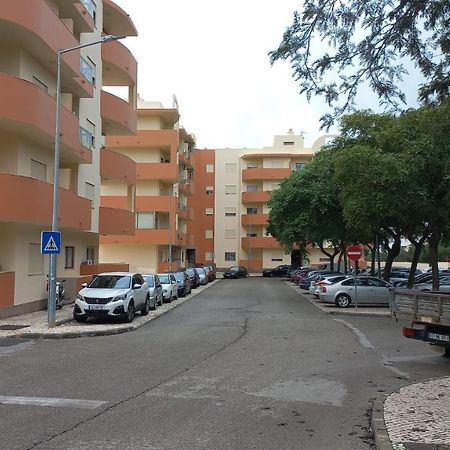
(112, 37)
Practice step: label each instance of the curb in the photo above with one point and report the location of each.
(104, 331)
(378, 425)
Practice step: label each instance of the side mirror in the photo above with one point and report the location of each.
(84, 285)
(137, 286)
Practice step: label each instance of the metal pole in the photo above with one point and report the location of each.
(249, 251)
(170, 229)
(356, 292)
(51, 301)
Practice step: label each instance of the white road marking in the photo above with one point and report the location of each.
(52, 402)
(362, 338)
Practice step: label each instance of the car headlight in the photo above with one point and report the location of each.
(80, 297)
(120, 297)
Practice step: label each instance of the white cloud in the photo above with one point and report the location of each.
(214, 57)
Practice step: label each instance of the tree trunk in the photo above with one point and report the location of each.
(392, 253)
(418, 245)
(331, 256)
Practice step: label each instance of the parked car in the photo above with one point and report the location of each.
(299, 273)
(209, 273)
(321, 280)
(279, 271)
(155, 290)
(169, 285)
(236, 272)
(184, 283)
(306, 281)
(369, 290)
(444, 285)
(193, 275)
(112, 295)
(213, 272)
(202, 275)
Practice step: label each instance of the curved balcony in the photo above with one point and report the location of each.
(157, 171)
(256, 197)
(254, 219)
(265, 174)
(116, 166)
(28, 110)
(162, 139)
(187, 187)
(118, 117)
(116, 221)
(28, 200)
(119, 65)
(41, 33)
(259, 242)
(116, 21)
(78, 14)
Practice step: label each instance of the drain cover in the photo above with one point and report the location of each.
(12, 327)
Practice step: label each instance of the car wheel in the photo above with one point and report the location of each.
(153, 307)
(80, 319)
(146, 307)
(343, 301)
(131, 312)
(169, 300)
(160, 301)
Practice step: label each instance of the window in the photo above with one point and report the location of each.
(38, 170)
(252, 165)
(209, 234)
(230, 167)
(90, 254)
(90, 7)
(230, 211)
(288, 143)
(230, 256)
(209, 190)
(299, 166)
(230, 189)
(90, 192)
(230, 234)
(145, 221)
(87, 69)
(251, 234)
(69, 257)
(210, 168)
(209, 211)
(86, 138)
(252, 210)
(252, 188)
(40, 84)
(35, 260)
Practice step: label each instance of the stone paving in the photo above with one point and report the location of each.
(419, 414)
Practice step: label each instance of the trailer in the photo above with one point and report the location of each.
(429, 314)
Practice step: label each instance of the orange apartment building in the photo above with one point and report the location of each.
(163, 154)
(31, 34)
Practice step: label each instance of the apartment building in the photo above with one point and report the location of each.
(236, 186)
(31, 34)
(163, 153)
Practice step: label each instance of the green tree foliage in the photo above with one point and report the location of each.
(334, 46)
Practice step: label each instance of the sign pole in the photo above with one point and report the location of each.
(354, 253)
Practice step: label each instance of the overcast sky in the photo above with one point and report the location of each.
(213, 57)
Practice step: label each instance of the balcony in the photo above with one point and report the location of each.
(41, 33)
(116, 221)
(265, 174)
(254, 219)
(116, 166)
(119, 65)
(28, 200)
(158, 171)
(259, 242)
(116, 21)
(142, 237)
(28, 110)
(78, 14)
(159, 203)
(186, 159)
(154, 139)
(187, 187)
(118, 117)
(255, 197)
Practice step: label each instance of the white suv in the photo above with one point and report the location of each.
(112, 294)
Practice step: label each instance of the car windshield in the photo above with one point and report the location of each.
(200, 271)
(111, 282)
(150, 279)
(164, 279)
(190, 271)
(234, 269)
(179, 276)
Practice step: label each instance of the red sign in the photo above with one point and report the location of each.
(354, 252)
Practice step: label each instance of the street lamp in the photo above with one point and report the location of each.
(51, 303)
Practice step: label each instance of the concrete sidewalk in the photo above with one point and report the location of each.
(414, 417)
(34, 325)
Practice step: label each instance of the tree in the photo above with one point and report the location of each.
(368, 41)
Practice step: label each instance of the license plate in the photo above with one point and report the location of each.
(439, 337)
(96, 307)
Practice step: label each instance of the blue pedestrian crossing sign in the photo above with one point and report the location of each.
(50, 242)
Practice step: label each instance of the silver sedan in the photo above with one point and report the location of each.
(369, 290)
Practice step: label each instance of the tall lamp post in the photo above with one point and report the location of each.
(51, 303)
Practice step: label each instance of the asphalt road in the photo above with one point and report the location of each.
(247, 364)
